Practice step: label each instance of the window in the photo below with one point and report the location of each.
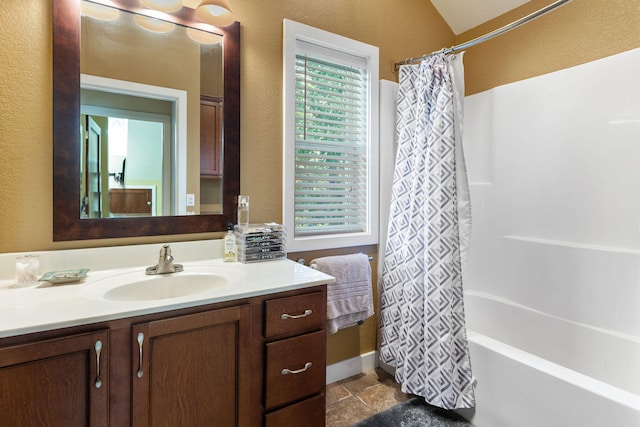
(330, 194)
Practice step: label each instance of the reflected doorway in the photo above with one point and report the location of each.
(128, 163)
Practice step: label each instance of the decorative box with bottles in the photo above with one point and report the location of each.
(260, 242)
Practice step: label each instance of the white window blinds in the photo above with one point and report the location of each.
(330, 139)
(330, 146)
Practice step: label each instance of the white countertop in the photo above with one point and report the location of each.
(44, 306)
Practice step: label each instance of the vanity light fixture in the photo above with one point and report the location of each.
(215, 12)
(167, 6)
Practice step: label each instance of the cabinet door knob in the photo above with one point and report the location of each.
(286, 316)
(98, 348)
(286, 371)
(140, 339)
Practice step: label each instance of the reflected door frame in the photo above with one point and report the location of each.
(178, 136)
(91, 203)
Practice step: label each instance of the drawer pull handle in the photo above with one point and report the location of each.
(286, 371)
(98, 348)
(286, 316)
(140, 339)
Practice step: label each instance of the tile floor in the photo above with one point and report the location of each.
(356, 398)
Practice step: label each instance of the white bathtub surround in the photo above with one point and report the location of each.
(553, 295)
(516, 388)
(422, 330)
(579, 348)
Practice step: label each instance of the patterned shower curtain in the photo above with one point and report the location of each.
(422, 326)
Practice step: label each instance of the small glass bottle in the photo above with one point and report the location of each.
(230, 245)
(243, 210)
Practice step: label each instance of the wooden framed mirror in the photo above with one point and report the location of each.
(69, 223)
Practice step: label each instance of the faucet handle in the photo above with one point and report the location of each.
(165, 263)
(165, 251)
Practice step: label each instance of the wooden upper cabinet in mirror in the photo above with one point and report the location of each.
(67, 222)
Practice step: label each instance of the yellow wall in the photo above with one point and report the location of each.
(26, 192)
(576, 33)
(581, 31)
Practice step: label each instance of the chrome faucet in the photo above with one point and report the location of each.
(165, 263)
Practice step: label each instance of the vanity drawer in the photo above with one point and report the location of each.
(295, 368)
(291, 315)
(308, 413)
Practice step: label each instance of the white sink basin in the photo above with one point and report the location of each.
(165, 286)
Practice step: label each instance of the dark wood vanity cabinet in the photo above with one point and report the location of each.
(56, 382)
(216, 365)
(295, 360)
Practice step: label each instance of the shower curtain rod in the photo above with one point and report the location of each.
(487, 36)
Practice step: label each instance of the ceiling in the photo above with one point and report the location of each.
(462, 15)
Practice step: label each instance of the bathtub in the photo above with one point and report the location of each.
(533, 369)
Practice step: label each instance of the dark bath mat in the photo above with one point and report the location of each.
(415, 412)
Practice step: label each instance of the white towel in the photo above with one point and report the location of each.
(349, 299)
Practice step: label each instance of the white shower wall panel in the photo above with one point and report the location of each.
(478, 150)
(567, 154)
(554, 168)
(587, 285)
(477, 135)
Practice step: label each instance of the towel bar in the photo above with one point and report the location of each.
(349, 299)
(315, 267)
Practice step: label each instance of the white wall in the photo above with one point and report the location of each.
(554, 169)
(388, 106)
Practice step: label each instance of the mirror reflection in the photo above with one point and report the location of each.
(150, 116)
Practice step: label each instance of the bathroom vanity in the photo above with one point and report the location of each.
(250, 351)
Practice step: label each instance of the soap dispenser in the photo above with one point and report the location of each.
(243, 210)
(229, 245)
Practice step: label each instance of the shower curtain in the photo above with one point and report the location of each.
(422, 326)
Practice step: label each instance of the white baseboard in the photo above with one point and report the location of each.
(350, 367)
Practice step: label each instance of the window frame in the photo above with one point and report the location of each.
(295, 32)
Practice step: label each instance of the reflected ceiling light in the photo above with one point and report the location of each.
(191, 4)
(153, 25)
(215, 12)
(98, 11)
(203, 37)
(163, 5)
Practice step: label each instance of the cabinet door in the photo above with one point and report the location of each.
(210, 136)
(192, 370)
(58, 382)
(130, 201)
